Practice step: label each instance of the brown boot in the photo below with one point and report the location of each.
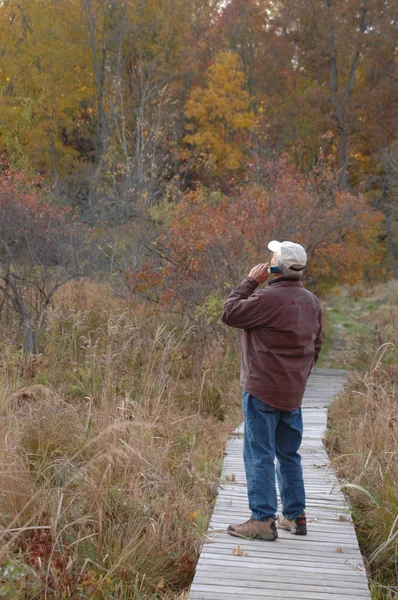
(255, 530)
(297, 526)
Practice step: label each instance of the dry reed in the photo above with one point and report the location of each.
(111, 446)
(363, 443)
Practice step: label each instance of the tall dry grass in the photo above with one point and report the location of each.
(111, 448)
(363, 443)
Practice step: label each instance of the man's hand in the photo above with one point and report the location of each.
(259, 272)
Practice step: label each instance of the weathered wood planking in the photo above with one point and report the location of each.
(324, 565)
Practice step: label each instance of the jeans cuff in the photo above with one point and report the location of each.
(289, 518)
(263, 519)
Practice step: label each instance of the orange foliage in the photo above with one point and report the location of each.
(214, 239)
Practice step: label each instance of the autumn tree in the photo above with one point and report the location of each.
(336, 45)
(220, 115)
(93, 94)
(44, 83)
(119, 103)
(213, 239)
(41, 249)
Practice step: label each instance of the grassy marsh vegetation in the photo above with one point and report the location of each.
(363, 428)
(112, 441)
(111, 447)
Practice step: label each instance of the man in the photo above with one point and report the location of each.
(282, 340)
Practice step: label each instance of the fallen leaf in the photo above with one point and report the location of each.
(237, 551)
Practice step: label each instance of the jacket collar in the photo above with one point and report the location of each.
(286, 280)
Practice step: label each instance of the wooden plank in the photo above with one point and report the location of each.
(248, 592)
(212, 572)
(313, 585)
(263, 595)
(324, 565)
(351, 579)
(312, 551)
(291, 570)
(308, 586)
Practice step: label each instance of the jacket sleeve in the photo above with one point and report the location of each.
(242, 309)
(318, 338)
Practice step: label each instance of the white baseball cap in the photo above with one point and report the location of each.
(291, 255)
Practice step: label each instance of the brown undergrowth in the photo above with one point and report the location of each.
(362, 440)
(111, 447)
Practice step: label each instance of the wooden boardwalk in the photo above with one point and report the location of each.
(324, 565)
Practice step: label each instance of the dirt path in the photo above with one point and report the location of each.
(335, 355)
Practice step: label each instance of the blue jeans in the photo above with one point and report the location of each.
(269, 432)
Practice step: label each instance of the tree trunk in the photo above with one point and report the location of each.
(99, 72)
(340, 100)
(386, 207)
(30, 342)
(342, 153)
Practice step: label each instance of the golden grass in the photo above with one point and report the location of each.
(111, 447)
(363, 443)
(111, 444)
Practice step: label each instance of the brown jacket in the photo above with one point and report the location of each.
(282, 338)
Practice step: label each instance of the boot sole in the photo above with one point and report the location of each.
(265, 538)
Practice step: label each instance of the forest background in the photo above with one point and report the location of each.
(150, 149)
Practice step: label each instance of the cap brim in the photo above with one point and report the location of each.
(274, 246)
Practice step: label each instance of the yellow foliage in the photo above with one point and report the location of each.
(220, 113)
(44, 78)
